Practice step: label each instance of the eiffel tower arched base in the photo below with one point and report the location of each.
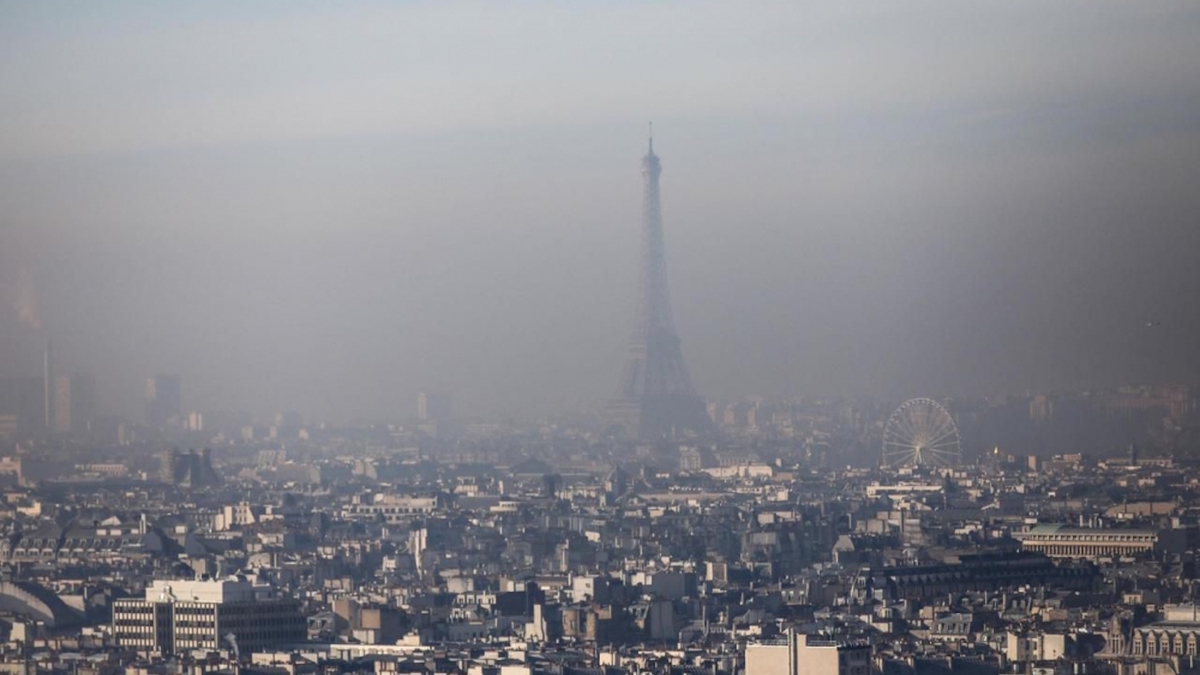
(656, 417)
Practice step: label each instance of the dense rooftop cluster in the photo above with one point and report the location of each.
(502, 551)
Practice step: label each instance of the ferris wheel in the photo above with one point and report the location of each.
(920, 433)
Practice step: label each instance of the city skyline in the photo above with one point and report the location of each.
(353, 338)
(832, 233)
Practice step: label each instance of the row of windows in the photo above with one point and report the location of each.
(1098, 539)
(126, 627)
(200, 627)
(397, 510)
(194, 611)
(92, 543)
(1089, 549)
(1165, 644)
(204, 609)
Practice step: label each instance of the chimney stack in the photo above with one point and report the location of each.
(48, 386)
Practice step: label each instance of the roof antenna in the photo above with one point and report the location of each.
(652, 138)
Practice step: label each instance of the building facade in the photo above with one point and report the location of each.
(180, 616)
(1178, 634)
(1061, 541)
(804, 655)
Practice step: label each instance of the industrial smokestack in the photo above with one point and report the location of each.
(26, 301)
(48, 385)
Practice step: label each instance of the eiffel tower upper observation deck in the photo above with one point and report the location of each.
(655, 398)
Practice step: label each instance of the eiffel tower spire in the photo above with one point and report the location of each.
(655, 397)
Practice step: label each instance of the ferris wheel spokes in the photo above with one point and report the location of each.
(920, 433)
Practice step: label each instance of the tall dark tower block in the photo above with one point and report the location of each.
(655, 398)
(164, 400)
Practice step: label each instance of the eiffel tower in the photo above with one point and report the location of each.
(655, 398)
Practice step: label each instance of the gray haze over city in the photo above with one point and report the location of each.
(329, 207)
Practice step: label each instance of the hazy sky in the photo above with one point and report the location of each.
(330, 206)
